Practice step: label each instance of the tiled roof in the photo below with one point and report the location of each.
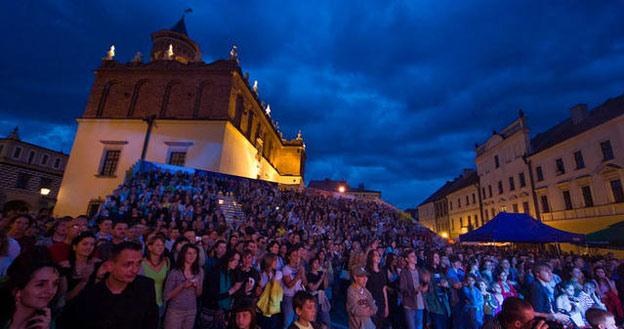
(466, 179)
(567, 129)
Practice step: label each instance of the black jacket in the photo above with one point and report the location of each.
(97, 308)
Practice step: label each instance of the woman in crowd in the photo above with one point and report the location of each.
(79, 270)
(607, 291)
(183, 286)
(270, 283)
(155, 266)
(377, 285)
(567, 303)
(221, 286)
(274, 248)
(33, 282)
(473, 303)
(317, 282)
(507, 288)
(293, 280)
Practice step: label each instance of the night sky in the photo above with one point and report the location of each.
(392, 94)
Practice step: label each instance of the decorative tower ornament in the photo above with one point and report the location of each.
(299, 135)
(138, 58)
(255, 87)
(14, 134)
(110, 54)
(268, 110)
(234, 53)
(169, 54)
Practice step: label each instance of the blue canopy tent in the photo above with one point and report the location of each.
(519, 228)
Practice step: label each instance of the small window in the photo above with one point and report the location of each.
(45, 182)
(57, 163)
(522, 179)
(31, 157)
(483, 192)
(587, 196)
(525, 207)
(451, 205)
(17, 152)
(1, 149)
(22, 180)
(514, 207)
(616, 189)
(474, 198)
(567, 200)
(458, 203)
(44, 159)
(487, 215)
(578, 158)
(177, 158)
(512, 184)
(559, 166)
(467, 200)
(500, 187)
(545, 205)
(476, 217)
(496, 161)
(493, 213)
(109, 162)
(607, 150)
(539, 174)
(490, 190)
(93, 208)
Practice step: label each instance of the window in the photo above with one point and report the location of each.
(578, 158)
(44, 159)
(487, 215)
(496, 162)
(45, 182)
(587, 196)
(525, 207)
(560, 167)
(474, 198)
(490, 190)
(109, 164)
(476, 217)
(500, 187)
(22, 180)
(57, 163)
(17, 152)
(451, 204)
(93, 208)
(607, 150)
(467, 200)
(1, 149)
(512, 184)
(514, 207)
(545, 205)
(616, 188)
(522, 179)
(461, 222)
(458, 203)
(539, 174)
(483, 192)
(567, 200)
(177, 158)
(31, 157)
(493, 213)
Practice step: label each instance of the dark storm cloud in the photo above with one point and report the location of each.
(393, 94)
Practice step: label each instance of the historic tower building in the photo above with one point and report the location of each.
(178, 110)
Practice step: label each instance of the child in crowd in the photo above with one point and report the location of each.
(305, 308)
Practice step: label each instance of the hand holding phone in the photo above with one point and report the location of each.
(40, 320)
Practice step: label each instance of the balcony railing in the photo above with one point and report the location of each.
(596, 211)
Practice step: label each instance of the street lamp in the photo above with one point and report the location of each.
(44, 191)
(341, 189)
(444, 235)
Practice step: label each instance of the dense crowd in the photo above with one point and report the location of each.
(160, 253)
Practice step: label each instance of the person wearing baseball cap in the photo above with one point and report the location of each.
(360, 303)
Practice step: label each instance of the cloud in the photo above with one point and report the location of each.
(390, 94)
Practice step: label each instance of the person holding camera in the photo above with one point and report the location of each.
(183, 286)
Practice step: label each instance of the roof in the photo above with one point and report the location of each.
(327, 184)
(565, 130)
(180, 27)
(469, 177)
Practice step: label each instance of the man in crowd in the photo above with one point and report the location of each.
(306, 310)
(600, 319)
(122, 300)
(118, 235)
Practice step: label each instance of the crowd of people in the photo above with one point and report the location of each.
(160, 253)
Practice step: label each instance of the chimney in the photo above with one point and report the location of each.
(578, 113)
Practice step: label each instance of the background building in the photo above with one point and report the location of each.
(577, 166)
(30, 175)
(570, 176)
(178, 110)
(341, 186)
(464, 206)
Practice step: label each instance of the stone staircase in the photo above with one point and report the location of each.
(231, 209)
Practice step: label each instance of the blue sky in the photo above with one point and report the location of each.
(392, 94)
